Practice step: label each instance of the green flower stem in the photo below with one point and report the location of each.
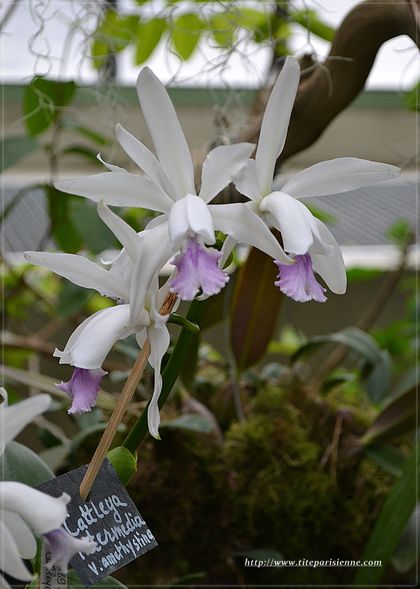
(169, 374)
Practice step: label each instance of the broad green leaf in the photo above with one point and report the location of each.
(222, 29)
(71, 300)
(83, 151)
(94, 234)
(73, 582)
(192, 423)
(124, 462)
(186, 33)
(392, 520)
(113, 35)
(21, 464)
(63, 228)
(387, 457)
(408, 549)
(311, 22)
(255, 308)
(43, 100)
(411, 98)
(13, 149)
(376, 369)
(249, 18)
(86, 132)
(148, 36)
(398, 417)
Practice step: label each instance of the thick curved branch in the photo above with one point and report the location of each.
(333, 85)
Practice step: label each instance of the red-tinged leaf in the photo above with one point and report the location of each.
(256, 304)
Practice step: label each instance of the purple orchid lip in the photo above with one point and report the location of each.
(298, 281)
(198, 268)
(63, 547)
(83, 388)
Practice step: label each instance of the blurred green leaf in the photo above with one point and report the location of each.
(222, 29)
(186, 33)
(408, 549)
(310, 20)
(321, 215)
(387, 457)
(400, 232)
(94, 234)
(148, 36)
(63, 229)
(15, 148)
(249, 18)
(54, 457)
(113, 35)
(124, 463)
(255, 307)
(73, 582)
(43, 100)
(19, 463)
(362, 275)
(192, 423)
(411, 98)
(86, 132)
(71, 300)
(392, 520)
(376, 377)
(82, 150)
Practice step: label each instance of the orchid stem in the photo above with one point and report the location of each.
(169, 375)
(120, 408)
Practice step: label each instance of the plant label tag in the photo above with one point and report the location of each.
(51, 578)
(108, 516)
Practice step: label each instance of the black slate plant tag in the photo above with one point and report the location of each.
(109, 517)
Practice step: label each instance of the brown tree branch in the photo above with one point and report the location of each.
(334, 84)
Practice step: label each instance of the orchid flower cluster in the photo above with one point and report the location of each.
(25, 511)
(184, 231)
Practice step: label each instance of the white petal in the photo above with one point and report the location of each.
(23, 536)
(276, 122)
(80, 271)
(111, 167)
(219, 167)
(3, 583)
(154, 254)
(245, 226)
(331, 268)
(165, 130)
(159, 340)
(338, 175)
(246, 180)
(13, 418)
(190, 216)
(119, 189)
(125, 234)
(10, 560)
(295, 222)
(93, 339)
(42, 512)
(144, 158)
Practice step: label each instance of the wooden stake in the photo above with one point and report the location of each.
(120, 408)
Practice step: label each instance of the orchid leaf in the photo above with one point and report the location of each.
(192, 423)
(43, 100)
(19, 463)
(15, 148)
(124, 463)
(389, 458)
(392, 520)
(63, 229)
(408, 549)
(256, 304)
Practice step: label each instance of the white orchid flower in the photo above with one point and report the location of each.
(167, 186)
(25, 511)
(138, 311)
(305, 238)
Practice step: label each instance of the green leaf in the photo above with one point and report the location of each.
(408, 549)
(411, 98)
(255, 307)
(192, 423)
(71, 300)
(222, 29)
(86, 132)
(186, 34)
(113, 35)
(73, 582)
(398, 417)
(148, 37)
(43, 100)
(21, 464)
(376, 370)
(124, 462)
(392, 520)
(312, 23)
(387, 457)
(94, 234)
(15, 148)
(82, 150)
(249, 18)
(63, 229)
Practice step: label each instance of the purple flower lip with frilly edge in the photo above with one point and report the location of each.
(298, 281)
(83, 388)
(197, 268)
(63, 547)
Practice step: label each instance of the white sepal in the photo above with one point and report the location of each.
(10, 560)
(24, 538)
(190, 217)
(125, 234)
(331, 268)
(159, 340)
